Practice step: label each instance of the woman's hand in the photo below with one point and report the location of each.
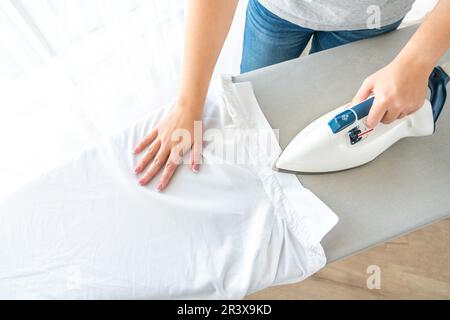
(178, 132)
(399, 90)
(401, 87)
(207, 26)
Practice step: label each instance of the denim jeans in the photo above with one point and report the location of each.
(268, 39)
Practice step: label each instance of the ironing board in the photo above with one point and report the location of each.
(406, 188)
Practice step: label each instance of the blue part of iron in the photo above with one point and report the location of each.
(362, 109)
(438, 93)
(342, 121)
(351, 115)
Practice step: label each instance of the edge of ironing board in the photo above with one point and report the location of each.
(445, 216)
(273, 89)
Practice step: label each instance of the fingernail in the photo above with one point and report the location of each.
(196, 168)
(136, 150)
(137, 170)
(142, 182)
(160, 187)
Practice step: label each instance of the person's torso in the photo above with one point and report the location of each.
(329, 15)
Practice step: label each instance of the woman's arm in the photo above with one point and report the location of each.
(208, 23)
(401, 87)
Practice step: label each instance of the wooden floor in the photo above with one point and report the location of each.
(415, 266)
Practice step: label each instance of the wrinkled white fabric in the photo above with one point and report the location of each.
(87, 230)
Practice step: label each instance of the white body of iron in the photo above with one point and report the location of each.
(340, 140)
(317, 149)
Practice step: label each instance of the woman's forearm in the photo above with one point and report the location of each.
(400, 88)
(431, 40)
(208, 23)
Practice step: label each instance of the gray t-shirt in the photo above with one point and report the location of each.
(329, 15)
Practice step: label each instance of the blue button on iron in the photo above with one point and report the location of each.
(342, 121)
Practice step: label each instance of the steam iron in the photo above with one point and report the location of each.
(339, 140)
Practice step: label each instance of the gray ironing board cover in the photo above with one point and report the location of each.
(406, 188)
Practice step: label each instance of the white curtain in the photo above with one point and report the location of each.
(102, 46)
(72, 71)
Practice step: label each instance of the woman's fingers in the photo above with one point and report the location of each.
(159, 160)
(364, 91)
(168, 172)
(146, 141)
(376, 113)
(390, 116)
(196, 154)
(151, 153)
(174, 160)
